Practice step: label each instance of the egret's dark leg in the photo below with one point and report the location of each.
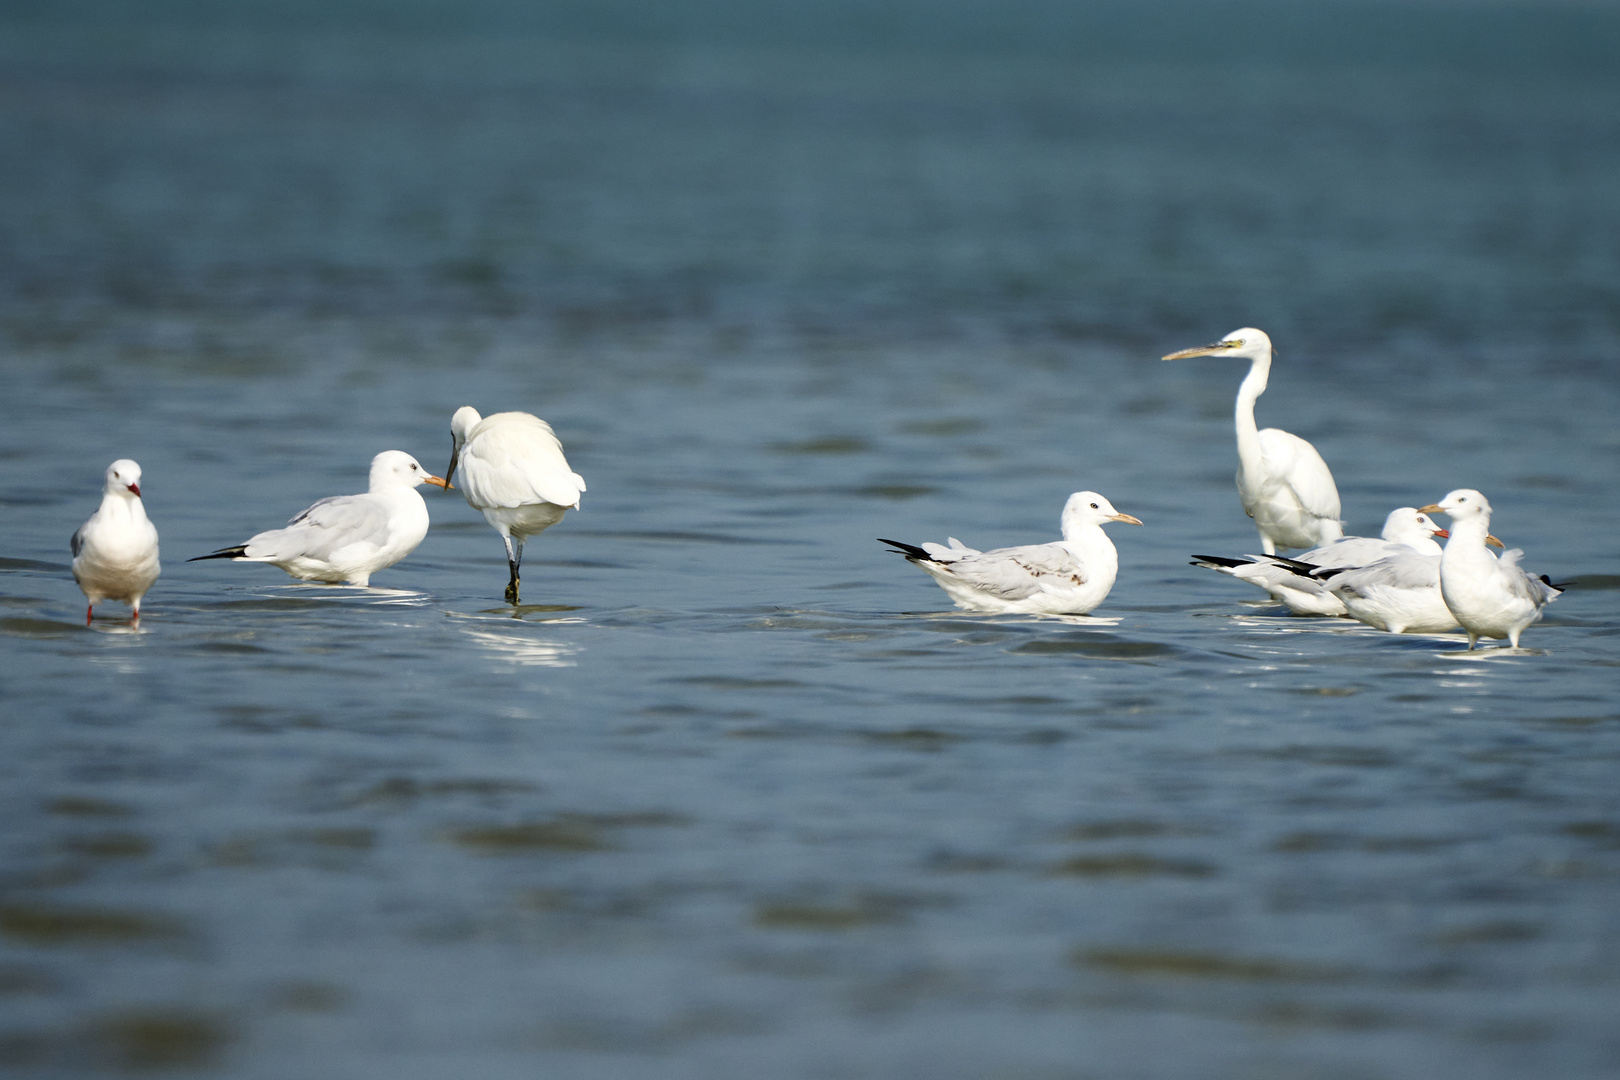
(514, 559)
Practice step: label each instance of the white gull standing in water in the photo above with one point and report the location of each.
(115, 552)
(347, 538)
(1067, 577)
(1291, 581)
(1491, 597)
(1283, 483)
(514, 473)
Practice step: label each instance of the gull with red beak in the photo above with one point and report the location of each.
(1295, 582)
(1283, 483)
(115, 552)
(347, 538)
(1067, 577)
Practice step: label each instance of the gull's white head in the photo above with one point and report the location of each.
(1248, 343)
(1463, 504)
(1408, 523)
(1090, 508)
(396, 468)
(124, 478)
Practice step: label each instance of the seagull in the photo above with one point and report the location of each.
(1282, 481)
(347, 538)
(115, 552)
(1068, 577)
(1399, 593)
(514, 473)
(1292, 582)
(1490, 597)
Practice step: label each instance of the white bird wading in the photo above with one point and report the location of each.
(115, 552)
(1491, 597)
(514, 473)
(1283, 483)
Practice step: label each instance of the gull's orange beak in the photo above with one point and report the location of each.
(436, 481)
(1444, 534)
(1126, 518)
(1432, 508)
(136, 488)
(1493, 541)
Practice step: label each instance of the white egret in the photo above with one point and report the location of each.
(1282, 481)
(115, 552)
(1291, 581)
(1491, 597)
(514, 473)
(347, 538)
(1067, 577)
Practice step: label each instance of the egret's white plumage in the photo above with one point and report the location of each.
(347, 538)
(1067, 577)
(115, 552)
(1283, 483)
(1491, 597)
(1406, 531)
(514, 473)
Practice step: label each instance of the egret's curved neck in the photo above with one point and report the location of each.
(1248, 432)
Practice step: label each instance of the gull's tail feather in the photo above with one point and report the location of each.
(224, 553)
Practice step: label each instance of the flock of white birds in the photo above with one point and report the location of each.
(1401, 581)
(513, 472)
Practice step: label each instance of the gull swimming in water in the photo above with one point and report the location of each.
(1067, 577)
(347, 538)
(514, 473)
(1491, 597)
(1291, 582)
(1400, 594)
(115, 552)
(1283, 483)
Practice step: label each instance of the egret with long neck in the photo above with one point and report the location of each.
(1282, 481)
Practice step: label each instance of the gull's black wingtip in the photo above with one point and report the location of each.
(223, 553)
(910, 551)
(1217, 562)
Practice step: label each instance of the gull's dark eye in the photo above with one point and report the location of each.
(1094, 506)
